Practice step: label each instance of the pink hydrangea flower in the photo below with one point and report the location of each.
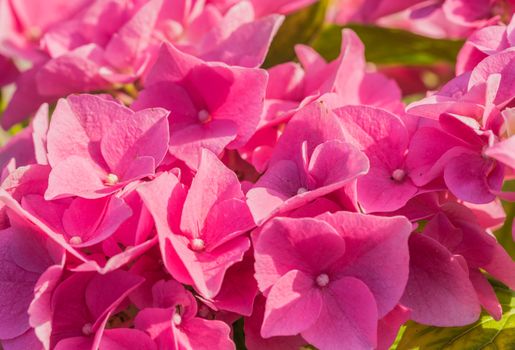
(384, 138)
(28, 260)
(173, 324)
(483, 43)
(202, 231)
(446, 287)
(206, 100)
(311, 160)
(96, 146)
(316, 271)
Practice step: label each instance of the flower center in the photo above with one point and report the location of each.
(87, 329)
(75, 240)
(33, 33)
(197, 244)
(322, 280)
(111, 179)
(302, 190)
(176, 319)
(204, 116)
(398, 175)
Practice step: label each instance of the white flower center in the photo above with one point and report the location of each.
(197, 244)
(111, 179)
(33, 33)
(176, 319)
(302, 190)
(87, 329)
(322, 280)
(75, 240)
(398, 175)
(204, 116)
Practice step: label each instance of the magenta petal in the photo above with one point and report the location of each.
(292, 306)
(111, 215)
(27, 340)
(388, 326)
(124, 339)
(75, 343)
(207, 269)
(439, 291)
(239, 300)
(348, 319)
(426, 158)
(486, 294)
(379, 192)
(501, 266)
(201, 334)
(16, 288)
(471, 178)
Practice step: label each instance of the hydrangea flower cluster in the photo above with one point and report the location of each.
(167, 186)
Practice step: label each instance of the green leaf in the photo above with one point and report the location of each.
(300, 27)
(485, 334)
(239, 334)
(389, 46)
(504, 234)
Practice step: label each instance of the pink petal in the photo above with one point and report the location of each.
(334, 163)
(378, 191)
(503, 152)
(285, 244)
(439, 291)
(187, 143)
(106, 218)
(201, 334)
(223, 185)
(75, 71)
(239, 300)
(77, 176)
(145, 134)
(292, 306)
(130, 43)
(124, 339)
(25, 100)
(78, 125)
(486, 294)
(252, 328)
(471, 178)
(25, 341)
(429, 153)
(248, 45)
(348, 319)
(388, 326)
(376, 253)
